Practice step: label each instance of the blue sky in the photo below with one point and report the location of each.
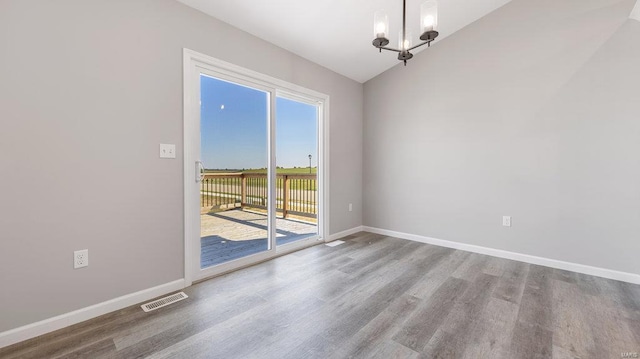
(234, 128)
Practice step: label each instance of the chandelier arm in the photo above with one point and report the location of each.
(421, 44)
(389, 49)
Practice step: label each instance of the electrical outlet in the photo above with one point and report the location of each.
(506, 221)
(80, 258)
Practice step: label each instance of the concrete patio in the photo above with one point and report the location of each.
(234, 234)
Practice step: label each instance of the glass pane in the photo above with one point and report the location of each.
(233, 145)
(296, 162)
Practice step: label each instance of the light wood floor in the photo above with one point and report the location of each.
(372, 297)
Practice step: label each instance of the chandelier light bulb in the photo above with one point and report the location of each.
(405, 43)
(429, 15)
(381, 29)
(380, 25)
(429, 20)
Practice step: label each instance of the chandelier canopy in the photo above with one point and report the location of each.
(428, 25)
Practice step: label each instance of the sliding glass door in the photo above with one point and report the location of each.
(234, 150)
(256, 146)
(296, 169)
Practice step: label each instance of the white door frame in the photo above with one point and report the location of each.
(195, 64)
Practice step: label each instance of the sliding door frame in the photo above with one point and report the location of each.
(196, 64)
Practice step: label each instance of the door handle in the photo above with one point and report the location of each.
(199, 171)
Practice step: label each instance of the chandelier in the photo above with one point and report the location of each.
(428, 24)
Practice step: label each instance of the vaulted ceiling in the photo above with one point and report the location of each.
(337, 34)
(635, 14)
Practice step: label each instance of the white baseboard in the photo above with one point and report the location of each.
(61, 321)
(553, 263)
(343, 234)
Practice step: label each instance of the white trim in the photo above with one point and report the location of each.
(235, 264)
(33, 330)
(271, 172)
(249, 75)
(188, 162)
(547, 262)
(343, 234)
(297, 246)
(323, 171)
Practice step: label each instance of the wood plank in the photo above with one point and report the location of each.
(489, 339)
(512, 282)
(531, 341)
(366, 342)
(496, 266)
(414, 334)
(459, 328)
(535, 307)
(571, 330)
(383, 249)
(101, 349)
(471, 267)
(435, 278)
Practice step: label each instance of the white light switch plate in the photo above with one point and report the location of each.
(167, 150)
(506, 221)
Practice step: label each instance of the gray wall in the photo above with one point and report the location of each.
(531, 112)
(88, 90)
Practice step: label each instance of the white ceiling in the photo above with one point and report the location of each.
(337, 34)
(635, 14)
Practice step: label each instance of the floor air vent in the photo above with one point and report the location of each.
(334, 243)
(164, 301)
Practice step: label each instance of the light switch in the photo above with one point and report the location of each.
(167, 151)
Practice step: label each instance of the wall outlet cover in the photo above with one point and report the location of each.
(80, 258)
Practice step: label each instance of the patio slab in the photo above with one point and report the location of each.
(233, 234)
